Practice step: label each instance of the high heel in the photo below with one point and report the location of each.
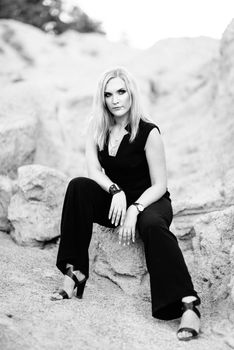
(194, 332)
(80, 288)
(80, 285)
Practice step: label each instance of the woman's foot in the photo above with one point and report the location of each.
(68, 286)
(190, 321)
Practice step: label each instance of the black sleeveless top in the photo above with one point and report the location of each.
(129, 168)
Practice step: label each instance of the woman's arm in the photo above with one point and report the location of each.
(157, 167)
(118, 204)
(93, 166)
(155, 155)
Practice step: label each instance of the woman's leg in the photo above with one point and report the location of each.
(85, 202)
(169, 277)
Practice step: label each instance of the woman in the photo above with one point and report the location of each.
(127, 187)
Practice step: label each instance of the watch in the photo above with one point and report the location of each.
(113, 189)
(139, 207)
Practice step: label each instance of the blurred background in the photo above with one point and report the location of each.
(53, 51)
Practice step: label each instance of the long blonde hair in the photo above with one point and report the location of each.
(102, 119)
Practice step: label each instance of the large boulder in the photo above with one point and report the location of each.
(35, 208)
(123, 265)
(208, 239)
(222, 127)
(210, 225)
(17, 142)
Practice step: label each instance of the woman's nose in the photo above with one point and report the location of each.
(115, 99)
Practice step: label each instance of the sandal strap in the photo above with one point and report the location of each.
(188, 329)
(69, 273)
(63, 294)
(191, 306)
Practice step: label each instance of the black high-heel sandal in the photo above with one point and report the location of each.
(80, 285)
(194, 332)
(80, 288)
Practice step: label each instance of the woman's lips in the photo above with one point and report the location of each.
(116, 108)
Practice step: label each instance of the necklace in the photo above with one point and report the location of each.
(114, 141)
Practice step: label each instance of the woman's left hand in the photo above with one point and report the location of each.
(128, 229)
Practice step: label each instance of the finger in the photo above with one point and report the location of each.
(117, 218)
(125, 233)
(133, 235)
(113, 216)
(122, 217)
(129, 236)
(120, 235)
(110, 212)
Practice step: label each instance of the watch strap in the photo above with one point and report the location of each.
(139, 207)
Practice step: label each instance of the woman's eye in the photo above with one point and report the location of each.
(121, 92)
(107, 94)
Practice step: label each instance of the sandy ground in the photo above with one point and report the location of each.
(105, 318)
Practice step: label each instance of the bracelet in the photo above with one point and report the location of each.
(113, 189)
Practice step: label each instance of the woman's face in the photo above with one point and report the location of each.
(117, 98)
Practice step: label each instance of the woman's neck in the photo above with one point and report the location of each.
(120, 123)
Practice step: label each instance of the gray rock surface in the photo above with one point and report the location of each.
(17, 142)
(6, 188)
(123, 265)
(35, 209)
(212, 245)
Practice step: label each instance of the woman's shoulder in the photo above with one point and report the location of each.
(146, 126)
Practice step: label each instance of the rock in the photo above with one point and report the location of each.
(6, 188)
(231, 284)
(17, 142)
(35, 208)
(212, 243)
(45, 126)
(61, 135)
(123, 265)
(222, 125)
(229, 341)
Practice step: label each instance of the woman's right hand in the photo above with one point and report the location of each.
(118, 208)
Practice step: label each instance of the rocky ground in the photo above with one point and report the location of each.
(106, 318)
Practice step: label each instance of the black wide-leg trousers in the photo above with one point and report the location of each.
(86, 203)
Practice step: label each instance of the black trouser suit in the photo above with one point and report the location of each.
(86, 203)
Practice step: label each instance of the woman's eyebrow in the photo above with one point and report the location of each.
(108, 92)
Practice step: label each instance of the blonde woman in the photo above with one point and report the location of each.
(126, 187)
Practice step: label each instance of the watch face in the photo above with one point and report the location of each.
(140, 207)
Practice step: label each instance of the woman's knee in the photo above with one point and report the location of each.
(81, 183)
(147, 220)
(155, 227)
(152, 224)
